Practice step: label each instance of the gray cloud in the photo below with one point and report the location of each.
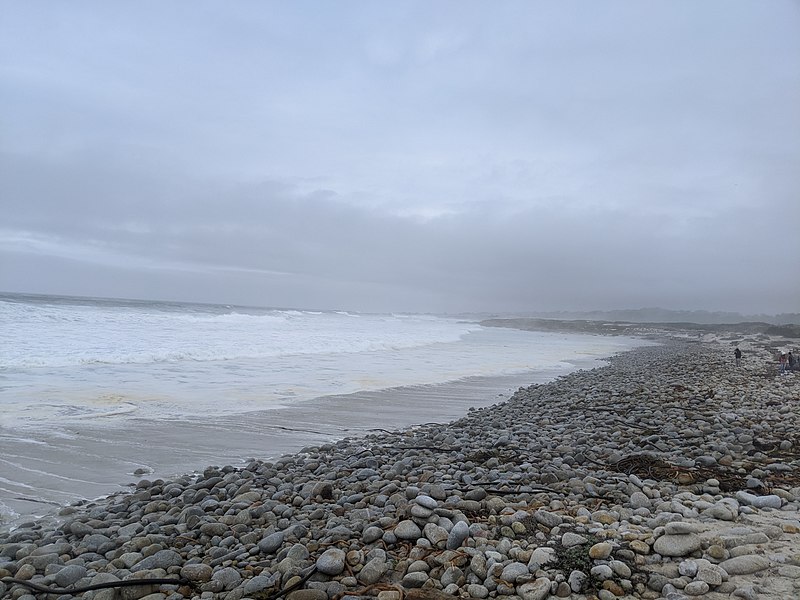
(404, 157)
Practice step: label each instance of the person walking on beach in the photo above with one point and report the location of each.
(783, 360)
(738, 354)
(790, 360)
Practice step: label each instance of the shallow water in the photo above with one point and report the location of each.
(74, 360)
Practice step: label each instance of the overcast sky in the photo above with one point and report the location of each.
(419, 156)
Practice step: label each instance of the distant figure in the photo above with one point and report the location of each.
(791, 361)
(738, 354)
(783, 362)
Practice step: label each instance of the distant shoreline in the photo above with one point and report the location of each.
(791, 331)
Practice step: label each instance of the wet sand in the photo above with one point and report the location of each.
(41, 471)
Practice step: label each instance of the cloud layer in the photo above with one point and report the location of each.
(447, 157)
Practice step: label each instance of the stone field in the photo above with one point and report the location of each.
(670, 473)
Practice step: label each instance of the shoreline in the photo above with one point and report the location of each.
(85, 462)
(524, 498)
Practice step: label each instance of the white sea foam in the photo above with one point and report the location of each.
(101, 362)
(19, 467)
(7, 514)
(59, 335)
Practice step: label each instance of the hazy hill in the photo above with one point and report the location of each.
(662, 315)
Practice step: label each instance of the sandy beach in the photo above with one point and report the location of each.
(668, 474)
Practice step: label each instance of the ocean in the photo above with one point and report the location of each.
(82, 378)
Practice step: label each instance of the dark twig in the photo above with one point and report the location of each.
(95, 586)
(294, 586)
(519, 490)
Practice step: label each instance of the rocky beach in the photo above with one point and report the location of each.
(670, 473)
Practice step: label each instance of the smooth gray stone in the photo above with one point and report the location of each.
(657, 581)
(479, 566)
(458, 534)
(416, 580)
(435, 534)
(69, 575)
(620, 568)
(94, 541)
(371, 534)
(476, 590)
(711, 575)
(676, 545)
(271, 543)
(40, 562)
(576, 580)
(696, 588)
(228, 577)
(331, 562)
(426, 501)
(769, 501)
(535, 590)
(372, 571)
(514, 570)
(790, 571)
(212, 529)
(80, 529)
(420, 512)
(640, 500)
(682, 528)
(757, 537)
(407, 530)
(548, 519)
(569, 539)
(451, 575)
(541, 557)
(259, 583)
(197, 572)
(307, 594)
(163, 559)
(602, 572)
(744, 565)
